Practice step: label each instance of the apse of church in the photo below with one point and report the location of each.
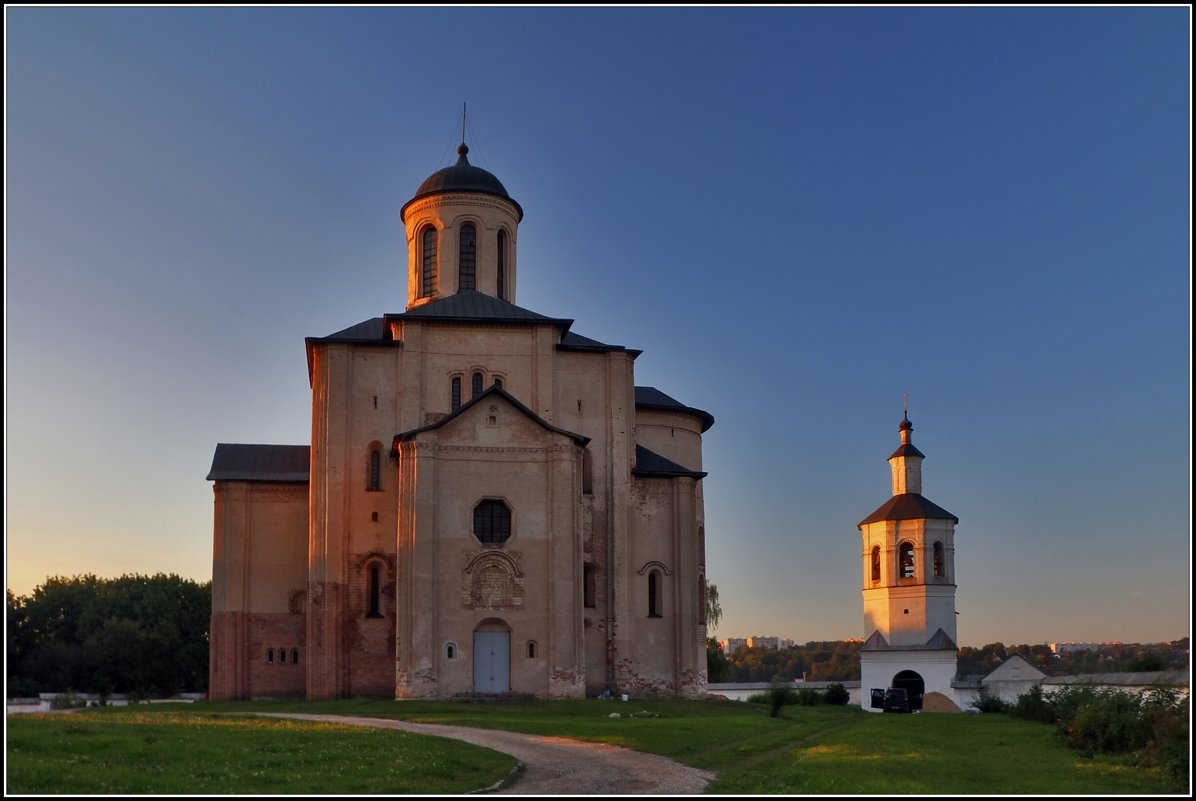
(488, 505)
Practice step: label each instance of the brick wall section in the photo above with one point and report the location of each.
(370, 642)
(278, 679)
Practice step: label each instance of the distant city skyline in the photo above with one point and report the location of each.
(798, 214)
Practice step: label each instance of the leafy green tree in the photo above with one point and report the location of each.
(714, 610)
(718, 667)
(144, 634)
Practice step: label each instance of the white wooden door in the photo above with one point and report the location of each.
(491, 661)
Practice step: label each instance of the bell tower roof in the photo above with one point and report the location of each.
(463, 177)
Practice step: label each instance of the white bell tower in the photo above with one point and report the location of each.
(908, 558)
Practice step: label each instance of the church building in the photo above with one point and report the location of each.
(908, 558)
(488, 505)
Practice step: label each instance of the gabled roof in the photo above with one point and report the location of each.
(1015, 668)
(651, 464)
(653, 399)
(875, 642)
(469, 305)
(908, 506)
(492, 391)
(288, 464)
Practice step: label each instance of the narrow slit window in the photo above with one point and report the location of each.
(939, 569)
(375, 591)
(282, 655)
(531, 649)
(467, 257)
(501, 287)
(294, 656)
(428, 278)
(456, 393)
(654, 594)
(375, 470)
(589, 586)
(270, 655)
(876, 563)
(476, 385)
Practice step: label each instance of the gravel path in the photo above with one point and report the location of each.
(558, 765)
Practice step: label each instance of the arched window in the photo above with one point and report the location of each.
(939, 569)
(498, 383)
(905, 560)
(467, 257)
(876, 563)
(428, 274)
(456, 393)
(531, 649)
(589, 585)
(476, 385)
(654, 593)
(294, 656)
(375, 591)
(282, 655)
(502, 266)
(450, 650)
(270, 655)
(492, 522)
(375, 482)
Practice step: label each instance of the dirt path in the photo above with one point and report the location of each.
(557, 765)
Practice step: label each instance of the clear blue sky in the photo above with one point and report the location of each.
(798, 214)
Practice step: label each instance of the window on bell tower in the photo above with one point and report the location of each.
(876, 563)
(939, 569)
(905, 560)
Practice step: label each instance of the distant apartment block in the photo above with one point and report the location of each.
(764, 642)
(731, 644)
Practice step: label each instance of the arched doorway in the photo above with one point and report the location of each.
(913, 685)
(492, 657)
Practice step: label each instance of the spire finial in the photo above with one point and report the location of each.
(906, 426)
(463, 150)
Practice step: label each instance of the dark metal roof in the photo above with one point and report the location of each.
(653, 398)
(462, 177)
(493, 390)
(908, 506)
(572, 341)
(907, 450)
(372, 330)
(939, 641)
(280, 463)
(651, 464)
(1165, 678)
(472, 306)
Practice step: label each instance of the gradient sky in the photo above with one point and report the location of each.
(798, 214)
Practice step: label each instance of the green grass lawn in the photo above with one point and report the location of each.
(169, 749)
(809, 750)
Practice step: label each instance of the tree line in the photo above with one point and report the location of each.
(134, 634)
(840, 660)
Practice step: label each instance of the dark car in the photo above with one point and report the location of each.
(896, 700)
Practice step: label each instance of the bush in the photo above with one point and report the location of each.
(779, 695)
(67, 700)
(1033, 705)
(837, 694)
(808, 697)
(990, 703)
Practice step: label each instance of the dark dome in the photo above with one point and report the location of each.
(463, 177)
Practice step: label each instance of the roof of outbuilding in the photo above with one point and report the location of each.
(653, 399)
(1166, 678)
(462, 177)
(652, 465)
(288, 464)
(908, 506)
